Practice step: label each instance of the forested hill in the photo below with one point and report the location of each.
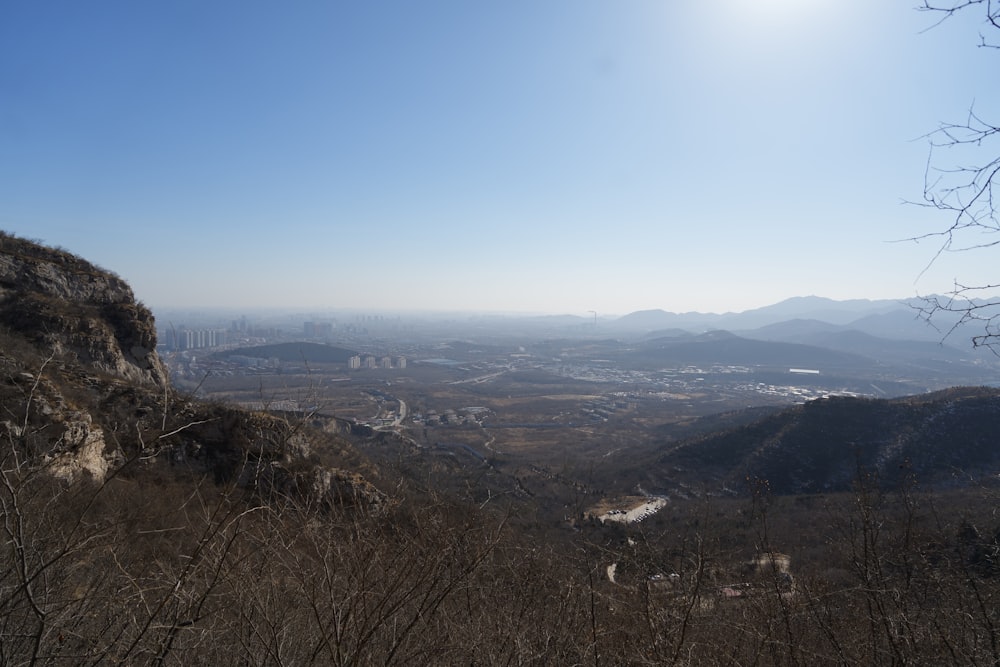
(946, 438)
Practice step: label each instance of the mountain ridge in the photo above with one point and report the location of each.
(890, 318)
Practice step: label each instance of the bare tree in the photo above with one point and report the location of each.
(963, 170)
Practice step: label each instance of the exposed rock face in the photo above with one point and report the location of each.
(322, 487)
(83, 390)
(73, 310)
(82, 452)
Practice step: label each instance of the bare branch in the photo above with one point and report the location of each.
(947, 10)
(961, 179)
(963, 301)
(186, 426)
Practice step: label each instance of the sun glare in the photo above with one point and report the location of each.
(779, 13)
(774, 28)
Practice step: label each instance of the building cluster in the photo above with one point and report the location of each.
(371, 361)
(194, 339)
(240, 332)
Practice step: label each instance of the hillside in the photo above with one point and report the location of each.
(723, 347)
(940, 440)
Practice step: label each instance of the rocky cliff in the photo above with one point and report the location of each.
(83, 392)
(77, 312)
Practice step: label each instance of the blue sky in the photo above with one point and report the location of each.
(554, 156)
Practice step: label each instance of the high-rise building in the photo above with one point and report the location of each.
(193, 339)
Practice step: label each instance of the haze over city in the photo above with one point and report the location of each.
(561, 157)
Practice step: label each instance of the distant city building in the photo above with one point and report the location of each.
(317, 329)
(401, 362)
(194, 339)
(354, 362)
(369, 362)
(385, 362)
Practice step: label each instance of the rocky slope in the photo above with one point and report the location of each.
(79, 313)
(83, 393)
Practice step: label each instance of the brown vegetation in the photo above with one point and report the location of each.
(139, 526)
(159, 566)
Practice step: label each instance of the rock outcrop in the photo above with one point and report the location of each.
(84, 391)
(77, 312)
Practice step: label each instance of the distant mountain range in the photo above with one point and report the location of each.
(801, 307)
(809, 320)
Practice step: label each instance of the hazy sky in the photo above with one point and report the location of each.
(517, 155)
